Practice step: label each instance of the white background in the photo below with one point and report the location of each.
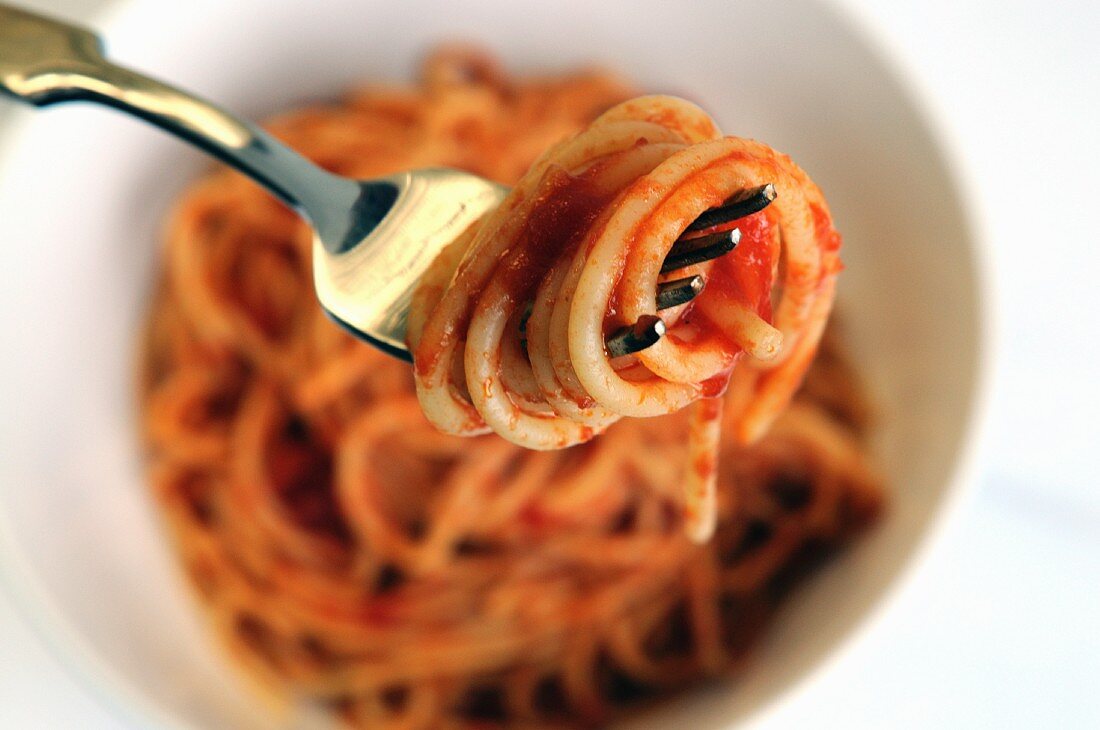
(1001, 626)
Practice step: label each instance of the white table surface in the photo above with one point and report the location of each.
(1000, 627)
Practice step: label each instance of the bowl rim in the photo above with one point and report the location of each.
(78, 659)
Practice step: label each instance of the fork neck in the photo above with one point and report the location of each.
(321, 197)
(45, 62)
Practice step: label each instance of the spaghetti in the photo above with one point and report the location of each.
(581, 240)
(351, 553)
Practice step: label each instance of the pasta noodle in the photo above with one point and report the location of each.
(583, 236)
(350, 553)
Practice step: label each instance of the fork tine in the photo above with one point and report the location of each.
(703, 248)
(642, 334)
(744, 203)
(680, 291)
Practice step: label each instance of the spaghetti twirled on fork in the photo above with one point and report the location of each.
(508, 329)
(349, 552)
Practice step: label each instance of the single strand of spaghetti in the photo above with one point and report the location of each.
(700, 480)
(773, 388)
(759, 339)
(687, 120)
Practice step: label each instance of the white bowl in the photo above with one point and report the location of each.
(83, 191)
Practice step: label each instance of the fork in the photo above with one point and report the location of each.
(372, 239)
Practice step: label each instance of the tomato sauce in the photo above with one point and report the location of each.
(744, 276)
(563, 211)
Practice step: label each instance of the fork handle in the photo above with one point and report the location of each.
(45, 61)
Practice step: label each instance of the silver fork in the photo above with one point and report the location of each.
(372, 238)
